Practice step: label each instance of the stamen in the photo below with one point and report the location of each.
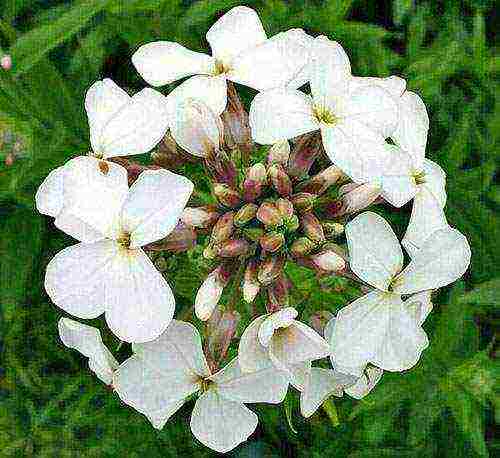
(324, 115)
(124, 240)
(419, 177)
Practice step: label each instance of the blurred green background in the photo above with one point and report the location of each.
(52, 406)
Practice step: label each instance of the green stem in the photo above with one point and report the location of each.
(331, 411)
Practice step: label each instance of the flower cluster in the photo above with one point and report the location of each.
(352, 143)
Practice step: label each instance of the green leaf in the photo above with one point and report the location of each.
(400, 8)
(486, 294)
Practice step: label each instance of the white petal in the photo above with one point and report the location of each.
(87, 340)
(49, 195)
(356, 149)
(221, 424)
(77, 278)
(435, 181)
(427, 216)
(137, 127)
(154, 205)
(398, 184)
(238, 30)
(374, 251)
(275, 63)
(321, 384)
(196, 128)
(374, 107)
(371, 376)
(298, 374)
(208, 296)
(280, 114)
(211, 90)
(296, 344)
(328, 332)
(266, 385)
(162, 62)
(412, 128)
(159, 419)
(140, 304)
(252, 356)
(280, 319)
(329, 74)
(394, 85)
(444, 257)
(94, 192)
(420, 305)
(102, 101)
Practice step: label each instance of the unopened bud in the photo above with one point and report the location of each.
(279, 153)
(221, 329)
(301, 247)
(332, 229)
(226, 195)
(209, 294)
(329, 261)
(236, 125)
(292, 224)
(223, 228)
(278, 293)
(285, 208)
(280, 180)
(6, 62)
(319, 320)
(245, 214)
(233, 248)
(269, 215)
(355, 198)
(251, 285)
(270, 270)
(253, 233)
(305, 152)
(312, 227)
(201, 217)
(303, 201)
(258, 173)
(182, 238)
(255, 179)
(272, 241)
(9, 159)
(319, 183)
(167, 155)
(222, 168)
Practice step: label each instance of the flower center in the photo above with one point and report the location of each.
(419, 177)
(205, 384)
(124, 240)
(324, 115)
(220, 68)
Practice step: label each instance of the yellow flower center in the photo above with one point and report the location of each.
(124, 240)
(220, 68)
(324, 115)
(419, 177)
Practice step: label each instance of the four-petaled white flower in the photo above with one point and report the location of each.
(158, 378)
(108, 271)
(379, 328)
(241, 53)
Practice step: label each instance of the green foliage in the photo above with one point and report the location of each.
(50, 404)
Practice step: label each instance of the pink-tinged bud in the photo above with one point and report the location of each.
(272, 241)
(182, 238)
(245, 214)
(319, 183)
(201, 217)
(329, 261)
(278, 293)
(285, 208)
(319, 320)
(168, 155)
(332, 229)
(303, 201)
(9, 159)
(221, 329)
(270, 270)
(251, 190)
(356, 198)
(209, 294)
(280, 180)
(312, 227)
(269, 215)
(279, 153)
(226, 195)
(210, 251)
(258, 173)
(222, 168)
(306, 150)
(301, 247)
(292, 224)
(6, 62)
(253, 233)
(251, 285)
(233, 248)
(223, 228)
(236, 125)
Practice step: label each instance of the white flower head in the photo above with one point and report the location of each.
(159, 377)
(279, 340)
(379, 328)
(241, 52)
(354, 120)
(108, 271)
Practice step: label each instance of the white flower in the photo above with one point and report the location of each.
(87, 340)
(379, 328)
(279, 340)
(354, 119)
(109, 272)
(158, 378)
(241, 53)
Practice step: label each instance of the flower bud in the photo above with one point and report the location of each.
(303, 201)
(306, 150)
(251, 190)
(182, 238)
(210, 251)
(257, 173)
(272, 241)
(253, 233)
(222, 168)
(6, 62)
(312, 227)
(221, 329)
(270, 269)
(332, 229)
(236, 125)
(319, 183)
(209, 294)
(279, 153)
(355, 198)
(280, 180)
(201, 217)
(329, 261)
(292, 224)
(301, 247)
(223, 228)
(269, 215)
(168, 155)
(226, 195)
(319, 320)
(233, 248)
(245, 214)
(251, 285)
(278, 293)
(284, 207)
